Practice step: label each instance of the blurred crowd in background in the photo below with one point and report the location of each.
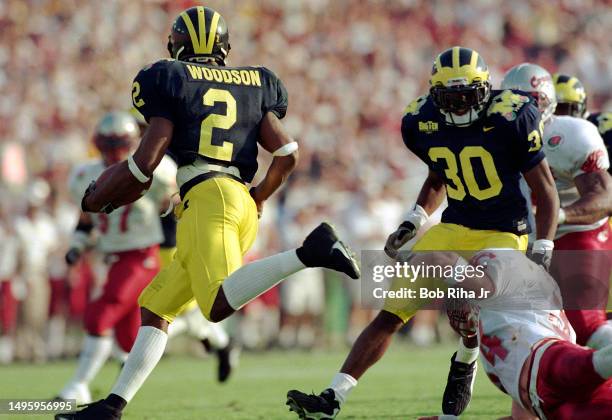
(350, 68)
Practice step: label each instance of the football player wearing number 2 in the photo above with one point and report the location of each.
(210, 118)
(477, 142)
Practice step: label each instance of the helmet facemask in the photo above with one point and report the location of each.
(573, 109)
(461, 105)
(115, 136)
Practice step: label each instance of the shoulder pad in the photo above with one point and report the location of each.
(507, 104)
(604, 122)
(414, 107)
(164, 62)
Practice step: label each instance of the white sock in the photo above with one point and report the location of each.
(251, 280)
(146, 352)
(602, 362)
(93, 355)
(342, 384)
(601, 338)
(466, 355)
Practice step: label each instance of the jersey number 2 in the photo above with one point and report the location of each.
(457, 192)
(224, 122)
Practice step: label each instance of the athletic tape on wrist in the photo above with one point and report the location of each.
(543, 245)
(418, 216)
(286, 150)
(135, 170)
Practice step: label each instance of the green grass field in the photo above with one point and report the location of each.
(407, 383)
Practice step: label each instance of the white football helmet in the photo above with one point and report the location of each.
(535, 80)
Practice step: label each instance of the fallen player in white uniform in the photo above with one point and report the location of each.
(527, 345)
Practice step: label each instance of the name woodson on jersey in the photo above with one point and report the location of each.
(216, 110)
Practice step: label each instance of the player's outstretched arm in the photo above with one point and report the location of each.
(136, 174)
(277, 141)
(595, 202)
(542, 184)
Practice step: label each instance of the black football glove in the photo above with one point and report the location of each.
(405, 232)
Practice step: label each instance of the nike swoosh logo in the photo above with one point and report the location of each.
(340, 248)
(485, 129)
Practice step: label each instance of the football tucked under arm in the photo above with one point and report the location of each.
(115, 187)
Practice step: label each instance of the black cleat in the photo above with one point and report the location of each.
(228, 360)
(324, 406)
(322, 248)
(459, 386)
(99, 410)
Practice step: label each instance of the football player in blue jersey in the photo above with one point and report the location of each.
(211, 118)
(572, 100)
(477, 143)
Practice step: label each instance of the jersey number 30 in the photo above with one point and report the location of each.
(457, 192)
(224, 122)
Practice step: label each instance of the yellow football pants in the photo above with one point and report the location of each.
(449, 237)
(217, 226)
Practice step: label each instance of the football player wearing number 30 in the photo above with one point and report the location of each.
(477, 142)
(210, 118)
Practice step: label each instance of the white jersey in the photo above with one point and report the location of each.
(136, 225)
(523, 310)
(573, 146)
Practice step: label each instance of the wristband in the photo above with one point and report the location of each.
(543, 245)
(135, 170)
(286, 150)
(561, 218)
(418, 216)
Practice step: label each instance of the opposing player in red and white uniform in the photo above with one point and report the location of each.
(527, 345)
(579, 161)
(130, 237)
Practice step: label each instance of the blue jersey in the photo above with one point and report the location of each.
(603, 121)
(481, 164)
(216, 110)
